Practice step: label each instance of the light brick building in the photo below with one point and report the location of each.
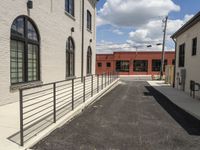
(52, 41)
(187, 40)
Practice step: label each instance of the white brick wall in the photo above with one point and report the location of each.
(191, 62)
(54, 27)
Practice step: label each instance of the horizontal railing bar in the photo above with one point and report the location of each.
(38, 118)
(38, 102)
(37, 97)
(64, 105)
(37, 92)
(38, 131)
(58, 86)
(64, 96)
(66, 88)
(57, 94)
(38, 112)
(37, 107)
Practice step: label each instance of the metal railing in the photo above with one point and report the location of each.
(41, 106)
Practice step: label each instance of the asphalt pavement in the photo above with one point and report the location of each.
(133, 116)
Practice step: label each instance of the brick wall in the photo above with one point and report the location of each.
(54, 27)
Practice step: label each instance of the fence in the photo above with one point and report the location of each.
(41, 106)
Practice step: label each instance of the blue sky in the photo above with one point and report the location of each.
(114, 36)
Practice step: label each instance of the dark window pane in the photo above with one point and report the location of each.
(156, 65)
(16, 50)
(99, 64)
(194, 46)
(32, 34)
(18, 27)
(89, 61)
(89, 20)
(108, 64)
(122, 66)
(69, 6)
(140, 65)
(70, 58)
(182, 55)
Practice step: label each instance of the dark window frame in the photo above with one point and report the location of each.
(122, 66)
(108, 64)
(99, 64)
(89, 61)
(70, 54)
(142, 68)
(194, 46)
(26, 40)
(89, 20)
(181, 62)
(157, 67)
(67, 7)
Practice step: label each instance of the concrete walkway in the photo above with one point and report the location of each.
(134, 116)
(180, 98)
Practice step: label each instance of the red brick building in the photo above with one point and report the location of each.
(133, 63)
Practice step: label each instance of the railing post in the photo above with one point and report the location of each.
(83, 89)
(92, 86)
(105, 79)
(102, 81)
(54, 102)
(72, 94)
(97, 83)
(21, 118)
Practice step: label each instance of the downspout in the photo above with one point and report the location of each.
(175, 62)
(82, 52)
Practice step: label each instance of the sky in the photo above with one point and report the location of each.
(129, 25)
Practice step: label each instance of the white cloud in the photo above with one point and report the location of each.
(118, 32)
(152, 32)
(134, 12)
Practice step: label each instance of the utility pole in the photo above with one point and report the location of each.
(163, 49)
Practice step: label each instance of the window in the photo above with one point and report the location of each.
(108, 64)
(194, 46)
(156, 64)
(70, 48)
(173, 62)
(140, 65)
(89, 20)
(24, 51)
(89, 60)
(181, 55)
(99, 64)
(69, 6)
(122, 66)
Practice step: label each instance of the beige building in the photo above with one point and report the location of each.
(44, 41)
(187, 40)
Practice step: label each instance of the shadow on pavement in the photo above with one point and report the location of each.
(187, 121)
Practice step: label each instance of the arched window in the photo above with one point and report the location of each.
(70, 48)
(89, 20)
(89, 60)
(24, 51)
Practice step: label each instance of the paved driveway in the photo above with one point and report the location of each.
(131, 117)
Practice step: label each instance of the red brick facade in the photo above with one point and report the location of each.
(130, 61)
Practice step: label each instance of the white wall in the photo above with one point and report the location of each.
(54, 27)
(192, 63)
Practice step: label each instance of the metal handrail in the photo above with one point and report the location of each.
(73, 93)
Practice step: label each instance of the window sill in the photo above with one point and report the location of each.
(16, 87)
(89, 30)
(71, 77)
(70, 16)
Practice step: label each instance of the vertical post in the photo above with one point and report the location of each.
(72, 94)
(21, 118)
(97, 83)
(91, 85)
(105, 79)
(102, 81)
(163, 49)
(54, 102)
(83, 89)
